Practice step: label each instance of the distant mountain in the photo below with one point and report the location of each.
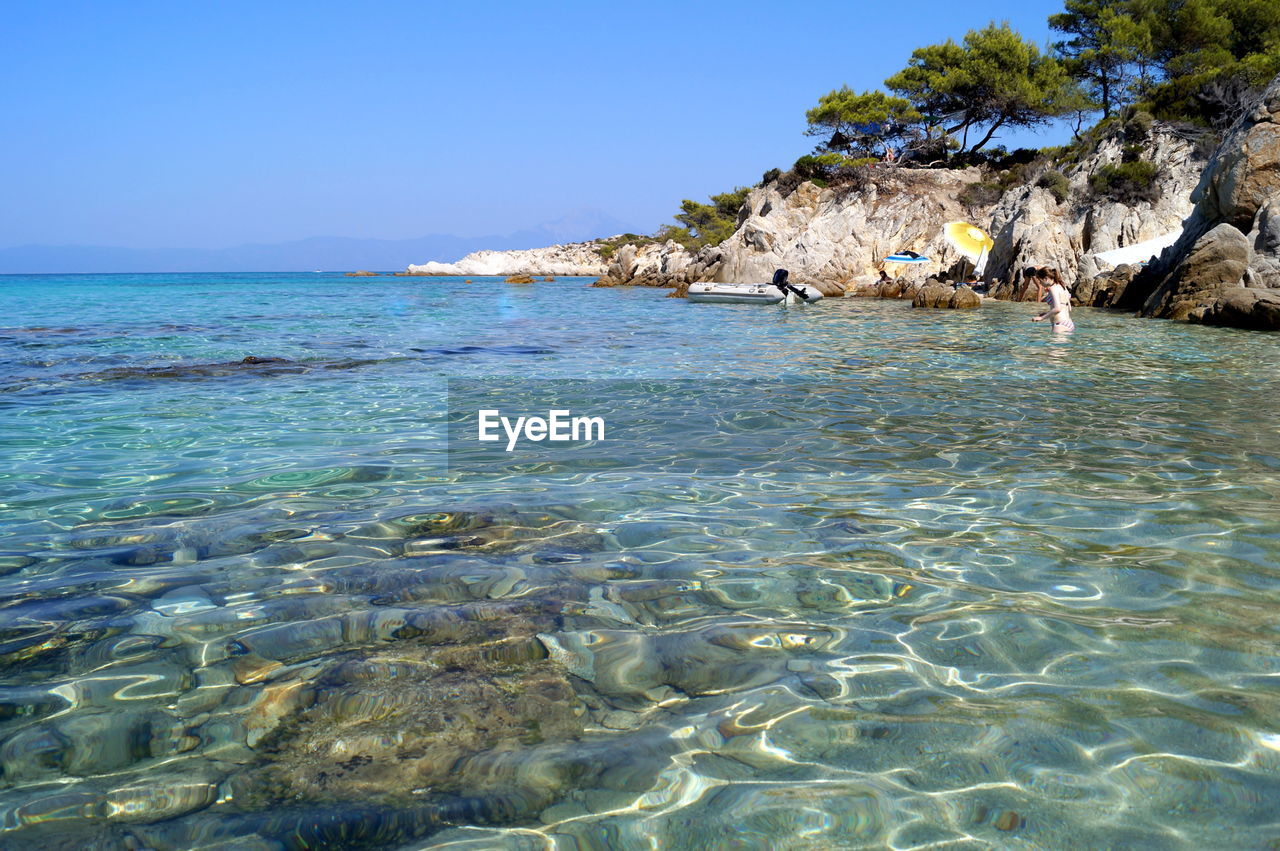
(327, 253)
(579, 226)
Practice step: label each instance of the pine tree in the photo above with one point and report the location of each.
(1103, 49)
(995, 79)
(868, 124)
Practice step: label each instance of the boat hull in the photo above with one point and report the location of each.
(748, 293)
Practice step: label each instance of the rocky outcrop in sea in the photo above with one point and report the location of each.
(658, 265)
(578, 258)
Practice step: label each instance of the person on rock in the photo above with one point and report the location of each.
(1059, 300)
(1033, 275)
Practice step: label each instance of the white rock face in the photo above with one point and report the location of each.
(1031, 228)
(580, 258)
(833, 237)
(655, 265)
(836, 239)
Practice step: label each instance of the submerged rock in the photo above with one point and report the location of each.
(493, 531)
(638, 669)
(252, 363)
(99, 814)
(394, 726)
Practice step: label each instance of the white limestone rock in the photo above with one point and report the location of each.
(581, 258)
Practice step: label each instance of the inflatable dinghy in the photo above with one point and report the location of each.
(773, 293)
(749, 293)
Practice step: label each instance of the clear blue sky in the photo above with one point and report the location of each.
(149, 124)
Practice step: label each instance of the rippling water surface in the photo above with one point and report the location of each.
(896, 578)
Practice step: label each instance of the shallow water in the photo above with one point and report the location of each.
(848, 575)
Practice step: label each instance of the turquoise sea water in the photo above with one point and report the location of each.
(864, 576)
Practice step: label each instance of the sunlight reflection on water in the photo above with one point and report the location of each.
(890, 577)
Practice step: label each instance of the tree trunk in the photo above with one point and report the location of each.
(987, 138)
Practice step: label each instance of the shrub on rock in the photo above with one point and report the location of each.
(1057, 184)
(1127, 183)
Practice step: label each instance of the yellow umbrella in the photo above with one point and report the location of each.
(970, 240)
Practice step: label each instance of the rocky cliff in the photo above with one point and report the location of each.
(836, 238)
(1031, 227)
(1225, 269)
(828, 237)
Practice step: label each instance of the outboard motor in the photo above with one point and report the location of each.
(780, 281)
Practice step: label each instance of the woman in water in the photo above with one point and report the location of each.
(1059, 300)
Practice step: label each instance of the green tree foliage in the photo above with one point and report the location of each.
(933, 83)
(817, 167)
(680, 235)
(978, 195)
(995, 79)
(711, 224)
(1104, 50)
(861, 125)
(1209, 54)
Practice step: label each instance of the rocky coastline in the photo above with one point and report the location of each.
(1224, 269)
(579, 258)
